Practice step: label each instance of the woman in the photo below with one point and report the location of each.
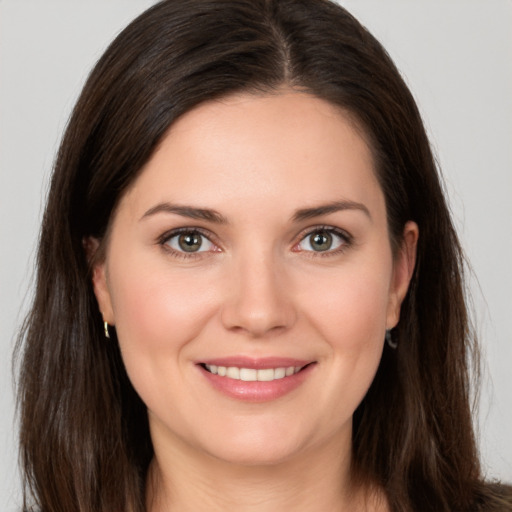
(250, 292)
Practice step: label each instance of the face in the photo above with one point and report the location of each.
(250, 278)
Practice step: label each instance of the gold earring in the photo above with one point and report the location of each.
(105, 327)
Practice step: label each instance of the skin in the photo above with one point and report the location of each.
(256, 288)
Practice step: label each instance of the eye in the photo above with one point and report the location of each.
(190, 241)
(323, 240)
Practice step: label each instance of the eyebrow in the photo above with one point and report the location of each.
(325, 209)
(214, 216)
(191, 212)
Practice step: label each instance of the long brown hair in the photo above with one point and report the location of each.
(85, 443)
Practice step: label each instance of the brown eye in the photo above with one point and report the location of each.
(320, 241)
(323, 240)
(189, 242)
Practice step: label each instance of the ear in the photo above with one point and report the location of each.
(403, 268)
(99, 279)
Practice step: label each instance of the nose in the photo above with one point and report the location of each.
(260, 298)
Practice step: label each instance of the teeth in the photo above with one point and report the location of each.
(251, 374)
(248, 374)
(266, 375)
(233, 373)
(279, 373)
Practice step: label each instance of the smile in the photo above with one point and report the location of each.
(256, 380)
(253, 374)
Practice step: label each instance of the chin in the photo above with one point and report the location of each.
(260, 446)
(256, 454)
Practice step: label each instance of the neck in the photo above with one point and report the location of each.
(317, 479)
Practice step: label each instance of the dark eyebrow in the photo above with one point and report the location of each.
(187, 211)
(325, 209)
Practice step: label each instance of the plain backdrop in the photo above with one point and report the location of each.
(455, 55)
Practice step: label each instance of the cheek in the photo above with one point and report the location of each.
(157, 312)
(350, 316)
(351, 312)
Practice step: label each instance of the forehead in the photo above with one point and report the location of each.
(259, 151)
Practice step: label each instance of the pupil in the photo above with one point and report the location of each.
(189, 242)
(321, 241)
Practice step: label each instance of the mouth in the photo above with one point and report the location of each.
(253, 374)
(256, 380)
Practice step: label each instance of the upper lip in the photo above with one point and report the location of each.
(257, 363)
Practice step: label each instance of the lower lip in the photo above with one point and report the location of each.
(256, 391)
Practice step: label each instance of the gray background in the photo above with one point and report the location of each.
(455, 55)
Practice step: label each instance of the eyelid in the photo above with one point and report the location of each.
(341, 233)
(164, 238)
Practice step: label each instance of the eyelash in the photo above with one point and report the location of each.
(347, 241)
(164, 239)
